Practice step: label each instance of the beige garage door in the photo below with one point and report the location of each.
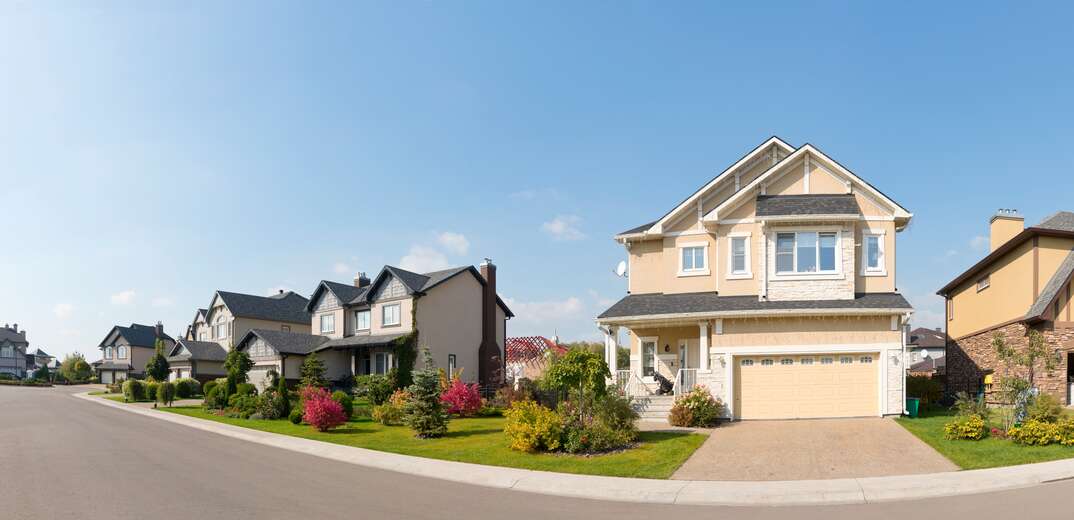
(806, 386)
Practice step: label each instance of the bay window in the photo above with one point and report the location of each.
(805, 252)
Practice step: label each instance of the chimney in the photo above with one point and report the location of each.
(1004, 225)
(490, 362)
(159, 328)
(15, 327)
(360, 279)
(281, 291)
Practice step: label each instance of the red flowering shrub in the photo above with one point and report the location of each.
(320, 410)
(461, 399)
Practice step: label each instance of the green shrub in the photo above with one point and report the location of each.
(602, 423)
(1065, 429)
(928, 389)
(186, 388)
(696, 408)
(166, 393)
(133, 390)
(345, 401)
(271, 405)
(967, 405)
(377, 388)
(151, 390)
(1044, 408)
(424, 412)
(209, 385)
(295, 416)
(531, 427)
(966, 427)
(490, 411)
(115, 388)
(1034, 433)
(245, 389)
(243, 405)
(216, 399)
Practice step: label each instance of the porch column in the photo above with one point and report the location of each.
(611, 347)
(704, 326)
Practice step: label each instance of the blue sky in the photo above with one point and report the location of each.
(151, 154)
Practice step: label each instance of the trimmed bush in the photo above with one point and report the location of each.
(1044, 408)
(245, 389)
(243, 405)
(151, 390)
(295, 416)
(133, 390)
(604, 423)
(186, 388)
(461, 399)
(166, 393)
(344, 399)
(216, 399)
(320, 410)
(209, 385)
(377, 388)
(531, 427)
(696, 408)
(965, 427)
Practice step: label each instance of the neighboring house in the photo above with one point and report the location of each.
(198, 330)
(931, 367)
(1023, 284)
(13, 347)
(37, 359)
(529, 356)
(921, 340)
(231, 315)
(126, 350)
(201, 360)
(774, 285)
(458, 316)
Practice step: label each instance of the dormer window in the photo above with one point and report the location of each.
(693, 259)
(807, 252)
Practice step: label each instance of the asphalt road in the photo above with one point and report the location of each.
(62, 457)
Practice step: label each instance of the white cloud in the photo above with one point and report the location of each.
(546, 311)
(564, 227)
(980, 243)
(123, 297)
(341, 268)
(422, 259)
(454, 242)
(63, 310)
(600, 300)
(161, 301)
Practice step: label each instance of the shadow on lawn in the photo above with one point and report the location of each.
(663, 435)
(469, 433)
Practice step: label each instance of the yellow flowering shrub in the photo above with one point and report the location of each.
(531, 427)
(968, 427)
(1040, 433)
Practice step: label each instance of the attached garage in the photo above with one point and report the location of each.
(803, 386)
(106, 377)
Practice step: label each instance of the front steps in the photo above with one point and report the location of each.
(653, 407)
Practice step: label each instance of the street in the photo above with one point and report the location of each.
(61, 457)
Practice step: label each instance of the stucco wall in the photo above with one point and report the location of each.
(449, 322)
(1008, 297)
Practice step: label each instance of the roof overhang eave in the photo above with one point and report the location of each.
(773, 313)
(836, 217)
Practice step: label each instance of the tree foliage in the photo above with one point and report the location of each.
(157, 366)
(579, 371)
(313, 371)
(424, 413)
(75, 368)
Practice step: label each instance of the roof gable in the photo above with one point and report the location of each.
(1053, 289)
(287, 307)
(284, 342)
(345, 293)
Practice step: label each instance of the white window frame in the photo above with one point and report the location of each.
(386, 356)
(881, 256)
(383, 317)
(655, 340)
(368, 320)
(984, 282)
(322, 322)
(731, 273)
(108, 352)
(7, 351)
(452, 364)
(814, 275)
(121, 352)
(695, 271)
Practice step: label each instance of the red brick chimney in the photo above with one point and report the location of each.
(491, 365)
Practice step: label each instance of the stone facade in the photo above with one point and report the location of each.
(820, 287)
(971, 357)
(896, 368)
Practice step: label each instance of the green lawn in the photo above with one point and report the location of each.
(985, 453)
(481, 441)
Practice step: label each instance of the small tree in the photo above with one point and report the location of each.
(157, 366)
(238, 365)
(41, 374)
(166, 393)
(75, 368)
(285, 395)
(1028, 358)
(424, 413)
(580, 375)
(313, 371)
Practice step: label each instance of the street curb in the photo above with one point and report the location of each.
(690, 492)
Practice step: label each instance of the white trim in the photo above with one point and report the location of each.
(882, 270)
(687, 233)
(805, 176)
(832, 348)
(704, 271)
(703, 346)
(837, 274)
(693, 316)
(731, 273)
(655, 340)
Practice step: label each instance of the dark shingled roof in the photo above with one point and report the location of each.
(711, 302)
(360, 341)
(139, 335)
(418, 283)
(109, 365)
(289, 307)
(12, 336)
(285, 342)
(197, 350)
(1050, 291)
(785, 205)
(930, 365)
(1061, 220)
(639, 229)
(928, 338)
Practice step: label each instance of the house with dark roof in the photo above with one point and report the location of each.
(13, 345)
(198, 329)
(455, 313)
(1022, 285)
(922, 341)
(773, 285)
(201, 360)
(529, 356)
(126, 350)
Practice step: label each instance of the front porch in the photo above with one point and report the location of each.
(667, 359)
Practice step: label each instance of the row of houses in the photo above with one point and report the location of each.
(16, 358)
(455, 314)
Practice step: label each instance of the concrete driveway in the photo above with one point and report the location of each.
(811, 449)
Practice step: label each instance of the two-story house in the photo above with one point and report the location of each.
(774, 285)
(1022, 285)
(126, 350)
(456, 314)
(13, 346)
(215, 330)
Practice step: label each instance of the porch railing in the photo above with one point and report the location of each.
(629, 384)
(685, 380)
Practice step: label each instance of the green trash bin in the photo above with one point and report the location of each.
(912, 405)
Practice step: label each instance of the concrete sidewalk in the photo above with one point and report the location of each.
(693, 492)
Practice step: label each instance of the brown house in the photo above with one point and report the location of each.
(1023, 284)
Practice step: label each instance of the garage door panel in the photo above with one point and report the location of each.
(811, 390)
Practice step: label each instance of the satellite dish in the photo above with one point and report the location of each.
(924, 353)
(620, 269)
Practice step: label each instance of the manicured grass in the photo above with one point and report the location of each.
(985, 453)
(481, 441)
(98, 392)
(119, 398)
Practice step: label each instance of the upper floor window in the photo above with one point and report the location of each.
(389, 315)
(328, 323)
(7, 351)
(361, 320)
(451, 365)
(108, 352)
(873, 250)
(806, 252)
(739, 253)
(693, 259)
(220, 329)
(121, 352)
(984, 283)
(950, 309)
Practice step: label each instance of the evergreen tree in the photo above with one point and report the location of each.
(157, 367)
(41, 374)
(313, 371)
(285, 395)
(237, 364)
(424, 412)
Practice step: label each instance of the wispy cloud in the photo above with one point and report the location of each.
(123, 297)
(341, 268)
(544, 312)
(63, 310)
(422, 259)
(564, 227)
(161, 301)
(454, 243)
(979, 243)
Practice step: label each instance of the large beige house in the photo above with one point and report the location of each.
(774, 285)
(126, 350)
(1022, 285)
(456, 313)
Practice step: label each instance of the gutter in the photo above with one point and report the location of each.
(755, 314)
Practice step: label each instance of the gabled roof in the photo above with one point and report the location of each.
(12, 336)
(288, 306)
(927, 338)
(137, 335)
(1052, 289)
(284, 342)
(186, 349)
(786, 205)
(345, 293)
(359, 341)
(529, 348)
(416, 283)
(40, 353)
(930, 364)
(1060, 220)
(674, 306)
